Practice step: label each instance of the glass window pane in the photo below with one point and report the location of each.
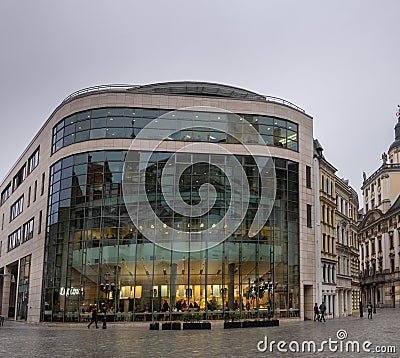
(99, 122)
(119, 122)
(83, 125)
(82, 136)
(60, 125)
(115, 111)
(70, 120)
(83, 115)
(280, 122)
(69, 129)
(114, 156)
(115, 132)
(95, 157)
(97, 133)
(68, 139)
(99, 112)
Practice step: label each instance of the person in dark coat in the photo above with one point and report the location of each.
(316, 312)
(94, 318)
(322, 309)
(165, 306)
(369, 307)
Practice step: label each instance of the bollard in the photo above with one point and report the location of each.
(104, 321)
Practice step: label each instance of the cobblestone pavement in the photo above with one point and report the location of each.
(136, 340)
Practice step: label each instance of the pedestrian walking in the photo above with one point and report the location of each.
(369, 307)
(322, 309)
(316, 312)
(94, 318)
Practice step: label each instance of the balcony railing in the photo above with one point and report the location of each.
(131, 88)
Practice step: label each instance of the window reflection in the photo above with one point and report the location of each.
(123, 122)
(90, 233)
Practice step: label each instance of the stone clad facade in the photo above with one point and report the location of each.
(68, 242)
(347, 248)
(379, 231)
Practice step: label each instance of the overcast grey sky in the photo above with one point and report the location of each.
(339, 60)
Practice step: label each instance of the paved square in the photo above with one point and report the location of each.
(128, 340)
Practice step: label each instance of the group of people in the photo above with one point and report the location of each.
(182, 306)
(319, 312)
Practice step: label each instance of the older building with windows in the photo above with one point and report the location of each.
(379, 230)
(72, 238)
(347, 248)
(325, 196)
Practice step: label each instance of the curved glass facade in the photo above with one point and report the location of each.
(118, 122)
(95, 255)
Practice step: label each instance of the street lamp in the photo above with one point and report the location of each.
(361, 308)
(269, 286)
(107, 288)
(259, 287)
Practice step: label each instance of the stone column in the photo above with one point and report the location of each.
(334, 305)
(370, 254)
(396, 248)
(385, 250)
(5, 299)
(342, 303)
(174, 269)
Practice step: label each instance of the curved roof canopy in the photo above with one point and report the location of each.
(199, 88)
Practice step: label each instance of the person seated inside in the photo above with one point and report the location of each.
(165, 306)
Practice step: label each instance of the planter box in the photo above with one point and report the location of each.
(154, 326)
(228, 325)
(256, 323)
(205, 325)
(175, 326)
(272, 323)
(168, 326)
(247, 324)
(197, 325)
(191, 325)
(259, 324)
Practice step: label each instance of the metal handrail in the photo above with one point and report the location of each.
(284, 102)
(128, 87)
(100, 88)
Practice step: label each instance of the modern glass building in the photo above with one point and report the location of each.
(101, 211)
